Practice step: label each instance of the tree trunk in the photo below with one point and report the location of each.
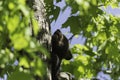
(44, 35)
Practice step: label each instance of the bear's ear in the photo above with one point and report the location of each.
(57, 35)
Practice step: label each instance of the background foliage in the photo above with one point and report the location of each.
(18, 58)
(100, 52)
(101, 49)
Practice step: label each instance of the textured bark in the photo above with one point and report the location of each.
(44, 35)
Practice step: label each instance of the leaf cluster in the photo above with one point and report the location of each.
(101, 50)
(18, 51)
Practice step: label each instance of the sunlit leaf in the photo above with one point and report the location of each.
(39, 67)
(24, 62)
(35, 26)
(102, 36)
(24, 10)
(1, 29)
(66, 62)
(19, 41)
(83, 59)
(13, 23)
(102, 46)
(94, 2)
(81, 69)
(22, 1)
(11, 5)
(89, 28)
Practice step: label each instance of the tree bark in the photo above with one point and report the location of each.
(44, 34)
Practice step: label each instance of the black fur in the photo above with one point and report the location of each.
(60, 50)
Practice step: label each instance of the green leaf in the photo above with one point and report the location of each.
(1, 29)
(102, 37)
(38, 67)
(81, 69)
(56, 12)
(94, 2)
(90, 28)
(58, 0)
(13, 23)
(19, 41)
(22, 2)
(82, 59)
(24, 62)
(24, 10)
(74, 24)
(11, 5)
(17, 75)
(35, 26)
(102, 46)
(112, 50)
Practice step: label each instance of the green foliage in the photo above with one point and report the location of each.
(20, 76)
(52, 10)
(101, 48)
(18, 51)
(100, 51)
(73, 22)
(86, 10)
